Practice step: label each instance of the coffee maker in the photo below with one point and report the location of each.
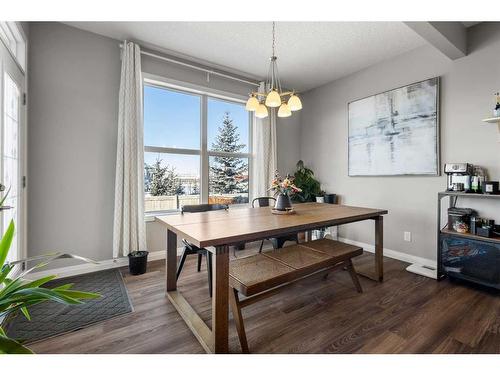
(459, 176)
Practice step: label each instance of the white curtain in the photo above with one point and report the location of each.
(264, 153)
(129, 232)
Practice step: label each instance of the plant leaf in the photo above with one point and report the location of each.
(64, 287)
(5, 242)
(39, 282)
(78, 294)
(53, 256)
(11, 346)
(5, 197)
(50, 258)
(5, 272)
(25, 312)
(16, 307)
(48, 294)
(11, 286)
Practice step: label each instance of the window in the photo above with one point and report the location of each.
(196, 148)
(12, 36)
(228, 151)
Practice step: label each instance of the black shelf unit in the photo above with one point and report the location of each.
(480, 262)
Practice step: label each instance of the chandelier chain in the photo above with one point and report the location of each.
(274, 37)
(273, 95)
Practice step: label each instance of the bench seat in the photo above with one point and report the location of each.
(258, 275)
(263, 271)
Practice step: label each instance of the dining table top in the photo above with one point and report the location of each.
(233, 226)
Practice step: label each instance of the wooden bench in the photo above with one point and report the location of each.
(258, 276)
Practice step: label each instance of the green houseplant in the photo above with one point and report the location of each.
(17, 294)
(309, 186)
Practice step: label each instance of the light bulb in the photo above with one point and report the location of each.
(295, 103)
(252, 104)
(273, 99)
(284, 111)
(261, 111)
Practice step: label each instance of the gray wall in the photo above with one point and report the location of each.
(467, 86)
(73, 83)
(288, 142)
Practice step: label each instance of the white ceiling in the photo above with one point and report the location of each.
(310, 54)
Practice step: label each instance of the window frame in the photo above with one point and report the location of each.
(13, 37)
(204, 93)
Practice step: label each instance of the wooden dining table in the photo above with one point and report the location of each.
(217, 230)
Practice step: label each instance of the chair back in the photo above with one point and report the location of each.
(203, 207)
(264, 201)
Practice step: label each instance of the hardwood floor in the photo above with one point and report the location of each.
(406, 313)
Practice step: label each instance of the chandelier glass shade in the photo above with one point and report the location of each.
(252, 104)
(261, 111)
(274, 96)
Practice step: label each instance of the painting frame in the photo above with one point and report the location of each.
(437, 127)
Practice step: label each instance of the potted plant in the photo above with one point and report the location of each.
(17, 293)
(283, 188)
(308, 185)
(320, 198)
(137, 262)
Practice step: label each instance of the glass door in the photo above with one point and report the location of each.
(12, 140)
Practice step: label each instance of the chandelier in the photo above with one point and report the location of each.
(273, 97)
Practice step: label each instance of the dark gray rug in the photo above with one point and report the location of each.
(51, 318)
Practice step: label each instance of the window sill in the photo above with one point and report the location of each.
(151, 216)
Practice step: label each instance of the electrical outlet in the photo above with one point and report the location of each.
(408, 236)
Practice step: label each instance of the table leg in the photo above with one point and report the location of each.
(171, 261)
(379, 248)
(220, 300)
(378, 274)
(215, 340)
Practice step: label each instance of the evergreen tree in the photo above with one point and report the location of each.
(147, 177)
(162, 180)
(195, 188)
(228, 175)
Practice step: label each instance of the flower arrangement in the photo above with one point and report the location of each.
(284, 186)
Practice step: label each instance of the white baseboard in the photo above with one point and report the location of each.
(84, 268)
(408, 258)
(80, 269)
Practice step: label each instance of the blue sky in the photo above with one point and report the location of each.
(172, 119)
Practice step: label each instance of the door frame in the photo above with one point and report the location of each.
(9, 65)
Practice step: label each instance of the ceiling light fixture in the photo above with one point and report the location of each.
(274, 96)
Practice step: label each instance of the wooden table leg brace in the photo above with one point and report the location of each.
(213, 340)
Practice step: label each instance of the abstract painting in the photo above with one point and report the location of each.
(396, 132)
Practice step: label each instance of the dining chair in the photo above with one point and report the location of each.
(190, 249)
(277, 242)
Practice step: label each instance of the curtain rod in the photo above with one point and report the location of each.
(195, 67)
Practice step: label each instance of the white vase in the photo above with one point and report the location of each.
(320, 199)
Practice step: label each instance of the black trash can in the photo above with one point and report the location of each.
(138, 262)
